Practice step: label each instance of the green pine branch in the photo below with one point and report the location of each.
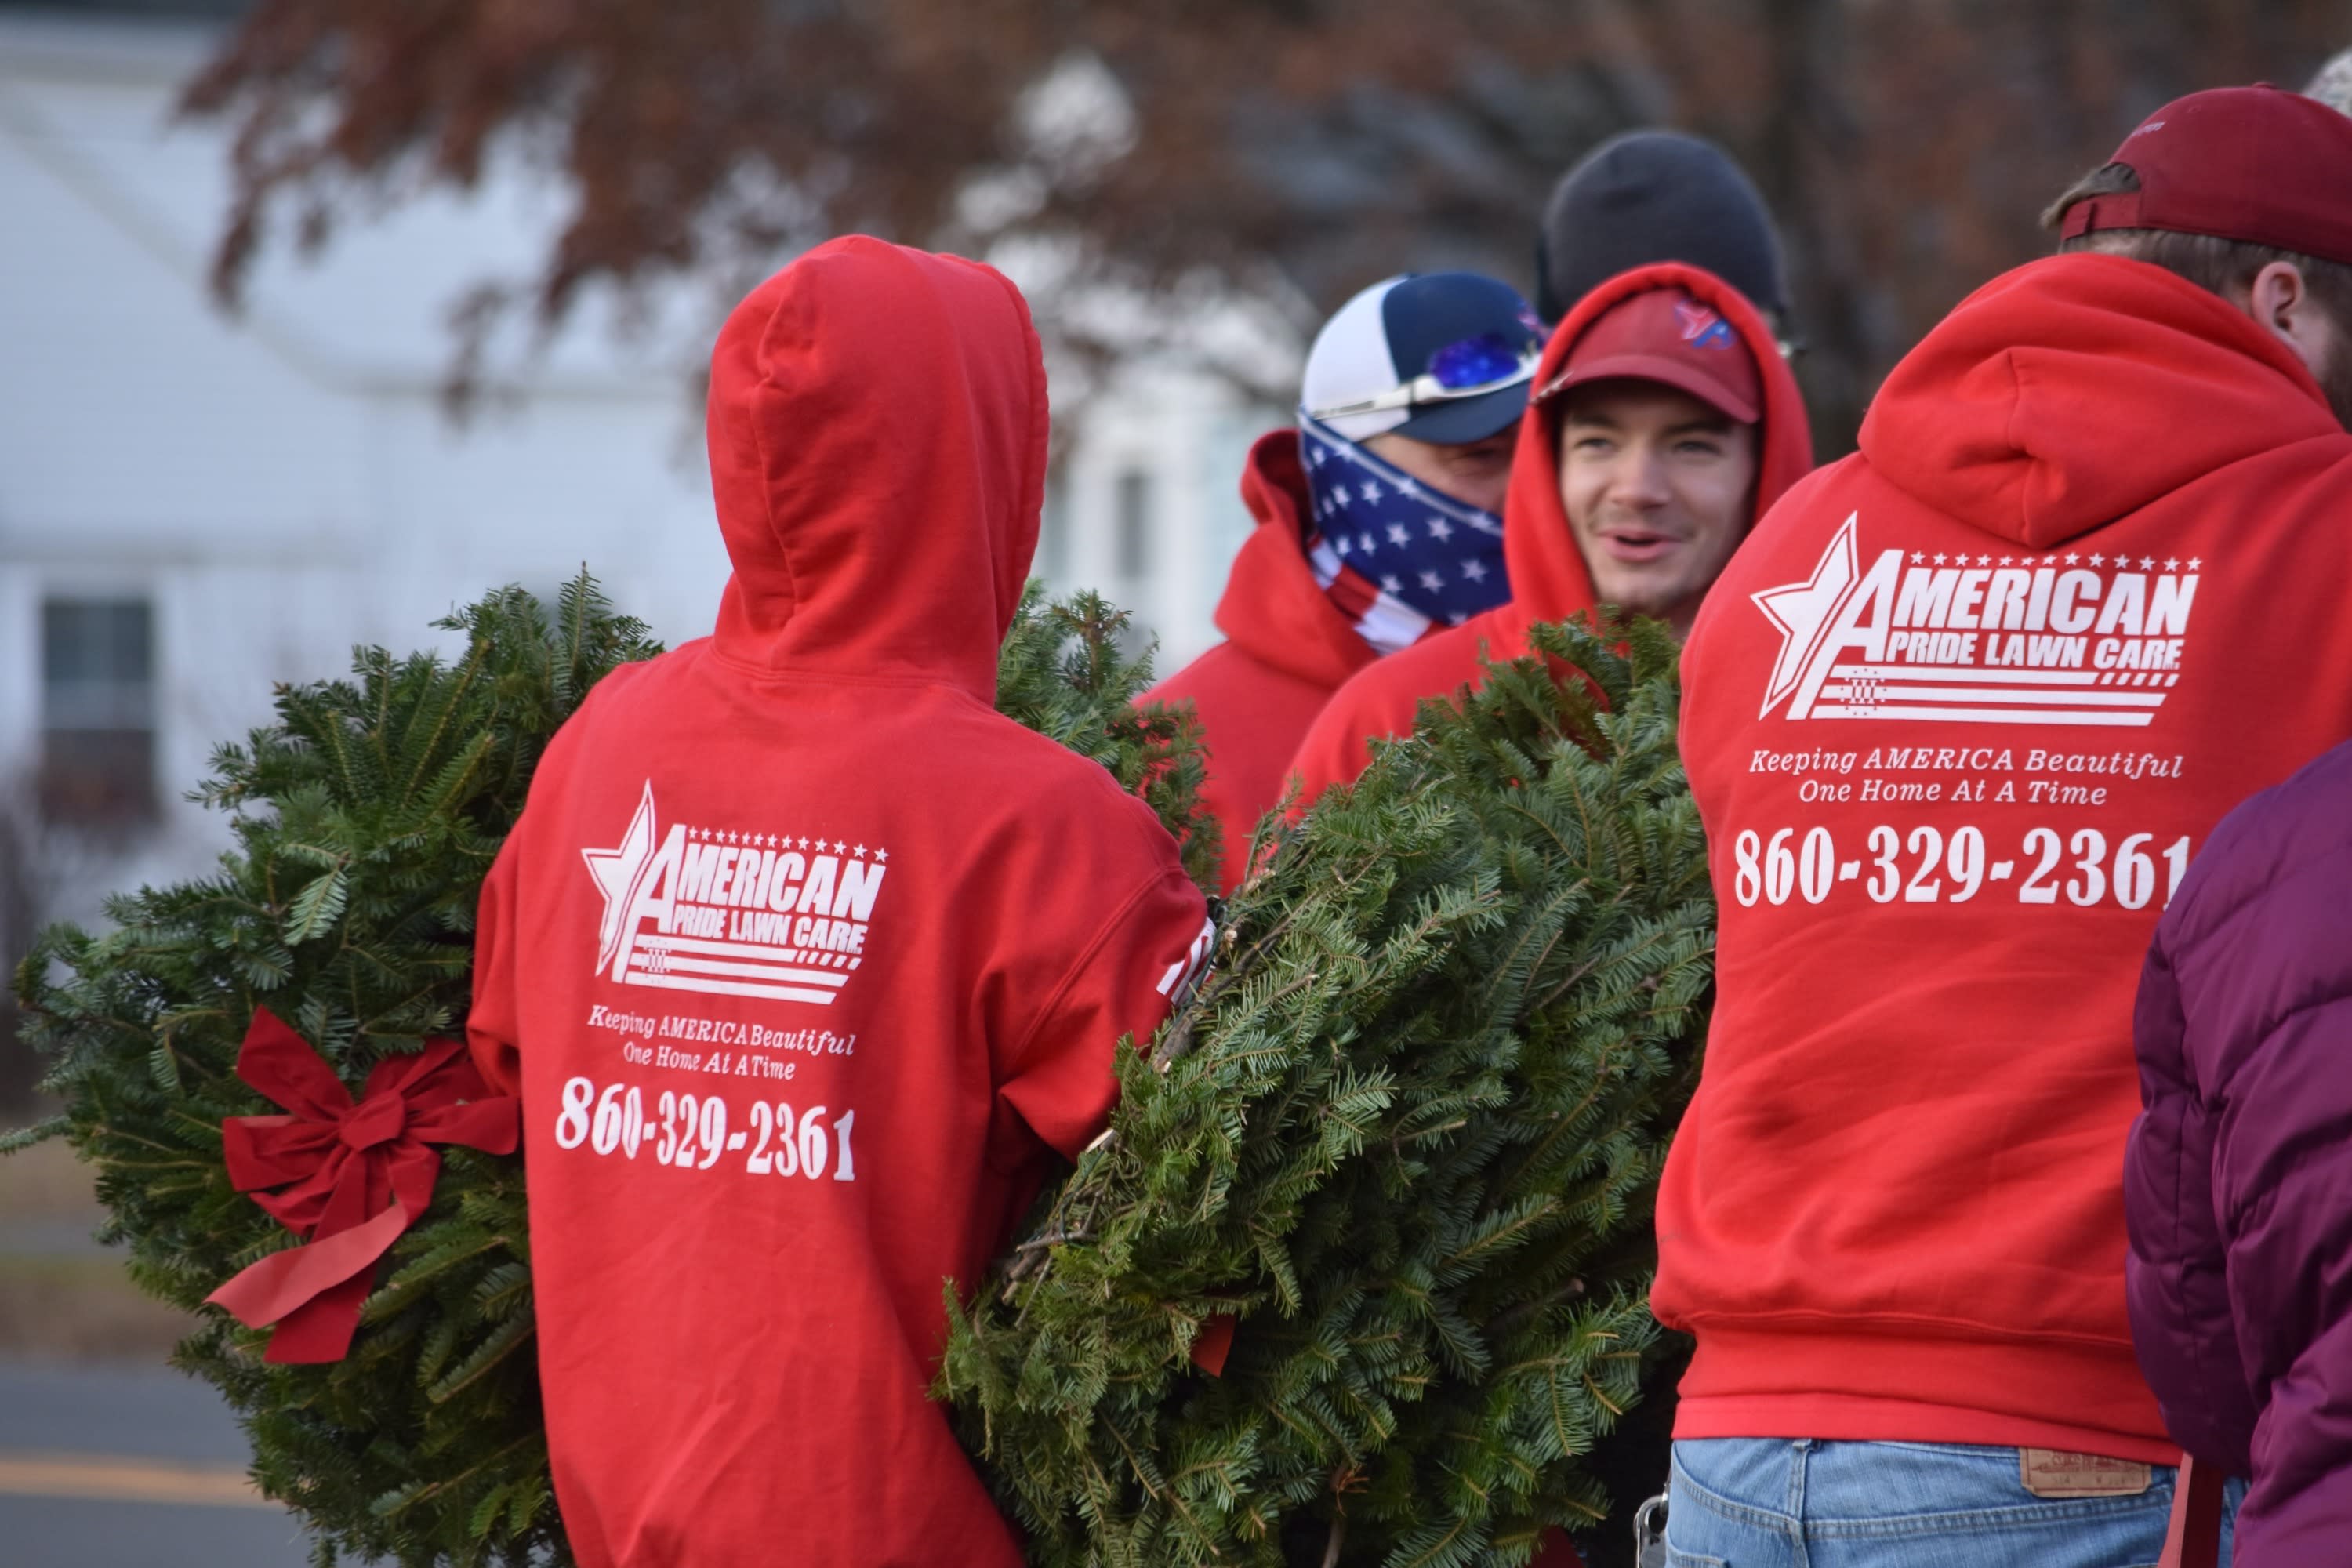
(1411, 1139)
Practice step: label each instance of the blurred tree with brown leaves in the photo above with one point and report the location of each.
(1906, 145)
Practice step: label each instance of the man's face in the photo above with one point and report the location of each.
(1657, 487)
(1476, 473)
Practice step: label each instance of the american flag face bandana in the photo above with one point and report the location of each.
(1402, 559)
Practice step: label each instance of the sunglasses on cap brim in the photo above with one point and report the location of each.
(1471, 368)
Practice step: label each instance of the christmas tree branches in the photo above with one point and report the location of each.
(364, 820)
(1407, 1134)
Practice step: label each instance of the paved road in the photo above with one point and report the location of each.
(128, 1467)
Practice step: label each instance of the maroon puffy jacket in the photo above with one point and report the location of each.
(2238, 1181)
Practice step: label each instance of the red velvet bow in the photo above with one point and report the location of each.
(361, 1174)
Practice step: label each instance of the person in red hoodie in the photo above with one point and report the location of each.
(1663, 424)
(1377, 522)
(1958, 717)
(806, 963)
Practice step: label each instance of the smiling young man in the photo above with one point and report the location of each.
(1378, 521)
(1664, 423)
(1657, 413)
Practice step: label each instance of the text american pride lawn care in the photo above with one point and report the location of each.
(2059, 637)
(733, 913)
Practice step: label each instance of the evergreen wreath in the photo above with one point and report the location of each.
(365, 819)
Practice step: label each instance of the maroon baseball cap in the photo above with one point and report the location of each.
(2250, 164)
(1665, 335)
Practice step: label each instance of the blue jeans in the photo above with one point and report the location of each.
(1768, 1503)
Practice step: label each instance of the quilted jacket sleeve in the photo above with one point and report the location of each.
(2176, 1274)
(2238, 1184)
(2283, 1171)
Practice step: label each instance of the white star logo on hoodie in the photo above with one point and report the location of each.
(617, 871)
(1802, 611)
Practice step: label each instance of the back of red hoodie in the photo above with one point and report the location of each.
(805, 963)
(1289, 646)
(1549, 581)
(1957, 717)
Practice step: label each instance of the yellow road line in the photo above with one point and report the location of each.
(107, 1479)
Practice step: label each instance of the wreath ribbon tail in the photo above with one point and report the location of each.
(312, 1293)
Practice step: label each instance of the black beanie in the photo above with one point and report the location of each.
(1656, 195)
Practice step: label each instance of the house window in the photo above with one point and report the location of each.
(1132, 517)
(98, 711)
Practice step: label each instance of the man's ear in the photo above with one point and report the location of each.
(2277, 295)
(2281, 302)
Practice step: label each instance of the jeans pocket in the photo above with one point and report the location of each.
(1676, 1559)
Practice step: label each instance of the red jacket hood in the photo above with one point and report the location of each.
(1548, 581)
(2004, 417)
(877, 425)
(1272, 608)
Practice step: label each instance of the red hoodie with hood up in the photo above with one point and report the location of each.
(1957, 717)
(805, 963)
(1287, 647)
(1548, 581)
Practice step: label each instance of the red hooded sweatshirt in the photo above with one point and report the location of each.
(1956, 718)
(1548, 581)
(805, 963)
(1288, 647)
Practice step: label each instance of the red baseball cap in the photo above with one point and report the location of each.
(2250, 164)
(1665, 335)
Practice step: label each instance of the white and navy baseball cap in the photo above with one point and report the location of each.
(1443, 357)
